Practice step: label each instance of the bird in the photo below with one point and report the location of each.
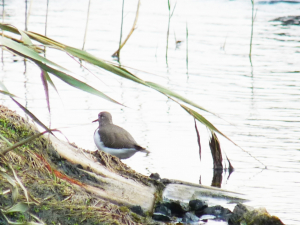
(113, 139)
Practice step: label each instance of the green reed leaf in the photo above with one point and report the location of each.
(74, 82)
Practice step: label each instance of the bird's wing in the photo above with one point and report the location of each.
(116, 137)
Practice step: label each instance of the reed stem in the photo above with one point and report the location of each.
(46, 25)
(170, 16)
(86, 25)
(120, 42)
(252, 21)
(187, 50)
(131, 31)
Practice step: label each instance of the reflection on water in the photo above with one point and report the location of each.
(262, 102)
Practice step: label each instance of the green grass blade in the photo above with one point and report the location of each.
(126, 74)
(45, 40)
(83, 55)
(18, 223)
(39, 60)
(26, 40)
(49, 80)
(208, 124)
(8, 28)
(204, 121)
(20, 143)
(74, 82)
(3, 87)
(26, 110)
(7, 93)
(32, 115)
(19, 207)
(45, 84)
(4, 139)
(20, 183)
(15, 190)
(166, 91)
(40, 38)
(174, 9)
(26, 51)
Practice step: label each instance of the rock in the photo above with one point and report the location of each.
(138, 210)
(161, 217)
(279, 1)
(189, 218)
(165, 181)
(162, 213)
(288, 20)
(246, 214)
(218, 211)
(163, 209)
(197, 205)
(154, 176)
(178, 209)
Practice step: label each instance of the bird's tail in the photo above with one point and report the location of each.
(141, 149)
(145, 151)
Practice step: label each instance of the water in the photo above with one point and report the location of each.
(260, 102)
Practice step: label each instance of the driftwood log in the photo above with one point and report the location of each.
(114, 187)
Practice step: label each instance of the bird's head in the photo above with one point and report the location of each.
(104, 118)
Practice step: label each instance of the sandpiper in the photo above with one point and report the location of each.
(113, 139)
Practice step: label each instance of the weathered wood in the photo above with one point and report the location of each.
(115, 188)
(184, 192)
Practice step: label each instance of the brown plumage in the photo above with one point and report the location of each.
(114, 136)
(114, 139)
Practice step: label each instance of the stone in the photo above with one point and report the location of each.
(154, 176)
(218, 211)
(246, 214)
(197, 205)
(161, 217)
(178, 209)
(288, 20)
(138, 210)
(163, 209)
(162, 213)
(189, 218)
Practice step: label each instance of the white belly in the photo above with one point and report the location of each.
(122, 153)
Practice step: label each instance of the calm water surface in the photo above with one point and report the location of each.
(260, 102)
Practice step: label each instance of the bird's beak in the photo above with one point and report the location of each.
(95, 121)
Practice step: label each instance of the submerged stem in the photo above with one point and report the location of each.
(46, 25)
(250, 56)
(26, 15)
(86, 25)
(168, 40)
(187, 50)
(3, 12)
(131, 31)
(170, 16)
(120, 42)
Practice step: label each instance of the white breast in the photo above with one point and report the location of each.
(122, 153)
